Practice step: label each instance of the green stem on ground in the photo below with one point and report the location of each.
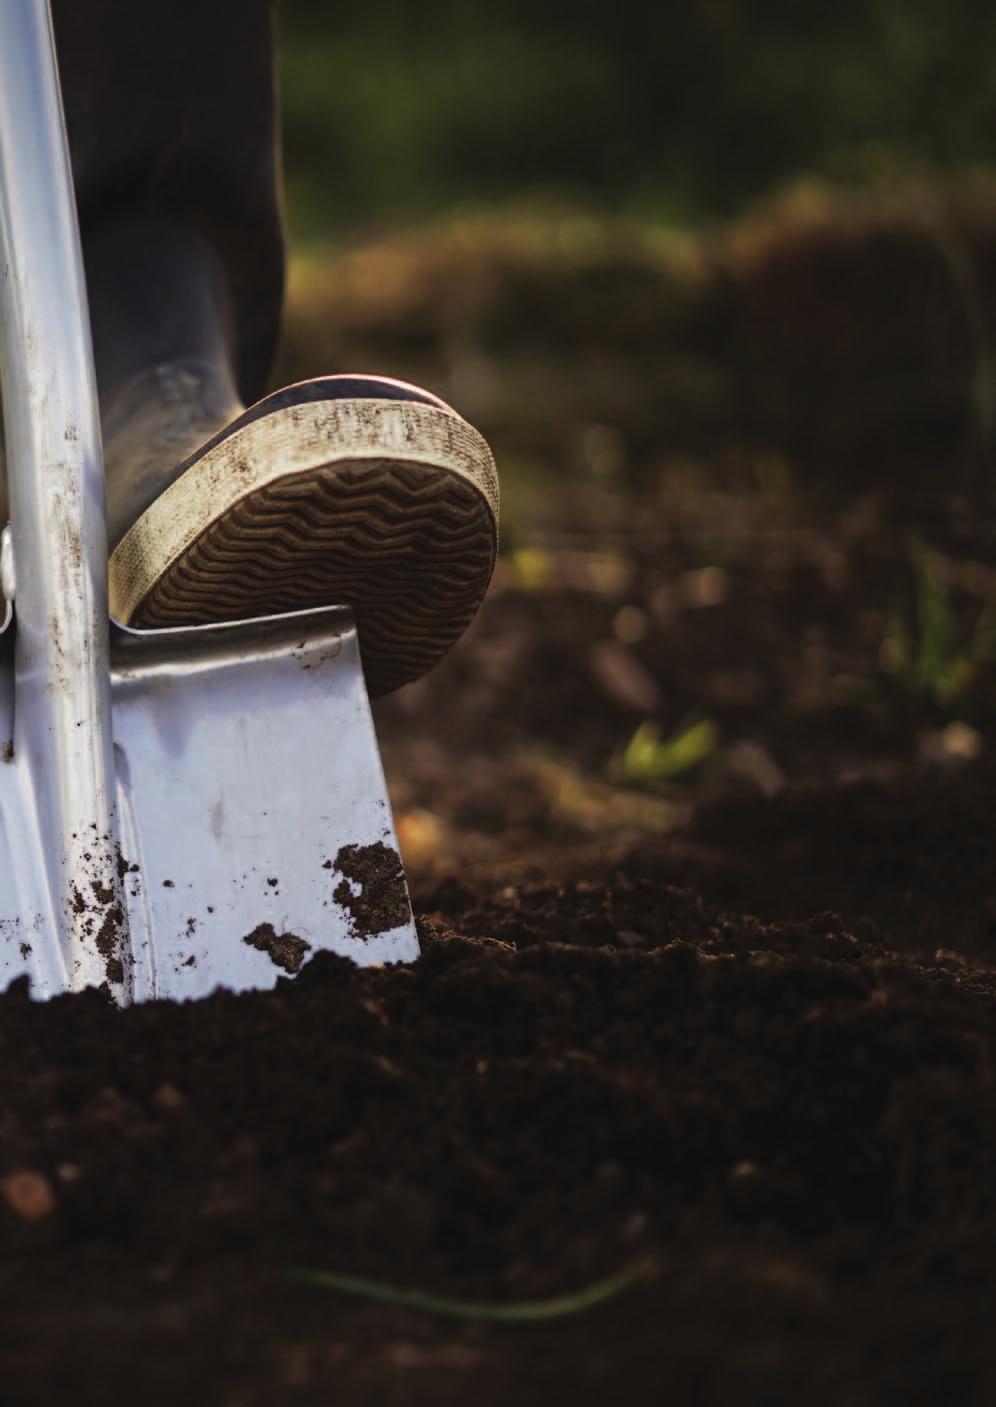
(519, 1311)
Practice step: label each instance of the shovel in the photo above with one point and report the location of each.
(179, 809)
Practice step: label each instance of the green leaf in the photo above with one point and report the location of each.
(650, 758)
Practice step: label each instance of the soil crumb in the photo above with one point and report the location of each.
(285, 950)
(382, 902)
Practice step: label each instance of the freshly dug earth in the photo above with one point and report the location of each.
(793, 1116)
(797, 1124)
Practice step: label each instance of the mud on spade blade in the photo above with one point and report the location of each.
(254, 818)
(254, 828)
(179, 809)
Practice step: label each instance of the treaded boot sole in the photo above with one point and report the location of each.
(388, 506)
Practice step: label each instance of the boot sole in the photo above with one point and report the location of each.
(387, 506)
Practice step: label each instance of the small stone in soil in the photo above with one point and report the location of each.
(28, 1194)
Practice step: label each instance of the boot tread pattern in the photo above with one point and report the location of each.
(409, 547)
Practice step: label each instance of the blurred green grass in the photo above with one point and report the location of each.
(394, 112)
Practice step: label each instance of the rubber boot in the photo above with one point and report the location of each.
(353, 490)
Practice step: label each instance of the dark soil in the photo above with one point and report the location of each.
(799, 1124)
(736, 1016)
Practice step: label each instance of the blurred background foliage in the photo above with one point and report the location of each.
(395, 110)
(760, 234)
(717, 280)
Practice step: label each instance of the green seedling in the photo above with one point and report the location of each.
(924, 654)
(648, 758)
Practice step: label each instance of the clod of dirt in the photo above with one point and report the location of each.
(102, 919)
(285, 950)
(123, 865)
(28, 1194)
(108, 943)
(382, 902)
(114, 968)
(103, 893)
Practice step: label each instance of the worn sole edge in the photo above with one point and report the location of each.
(285, 444)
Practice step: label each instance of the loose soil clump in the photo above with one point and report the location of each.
(372, 889)
(285, 950)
